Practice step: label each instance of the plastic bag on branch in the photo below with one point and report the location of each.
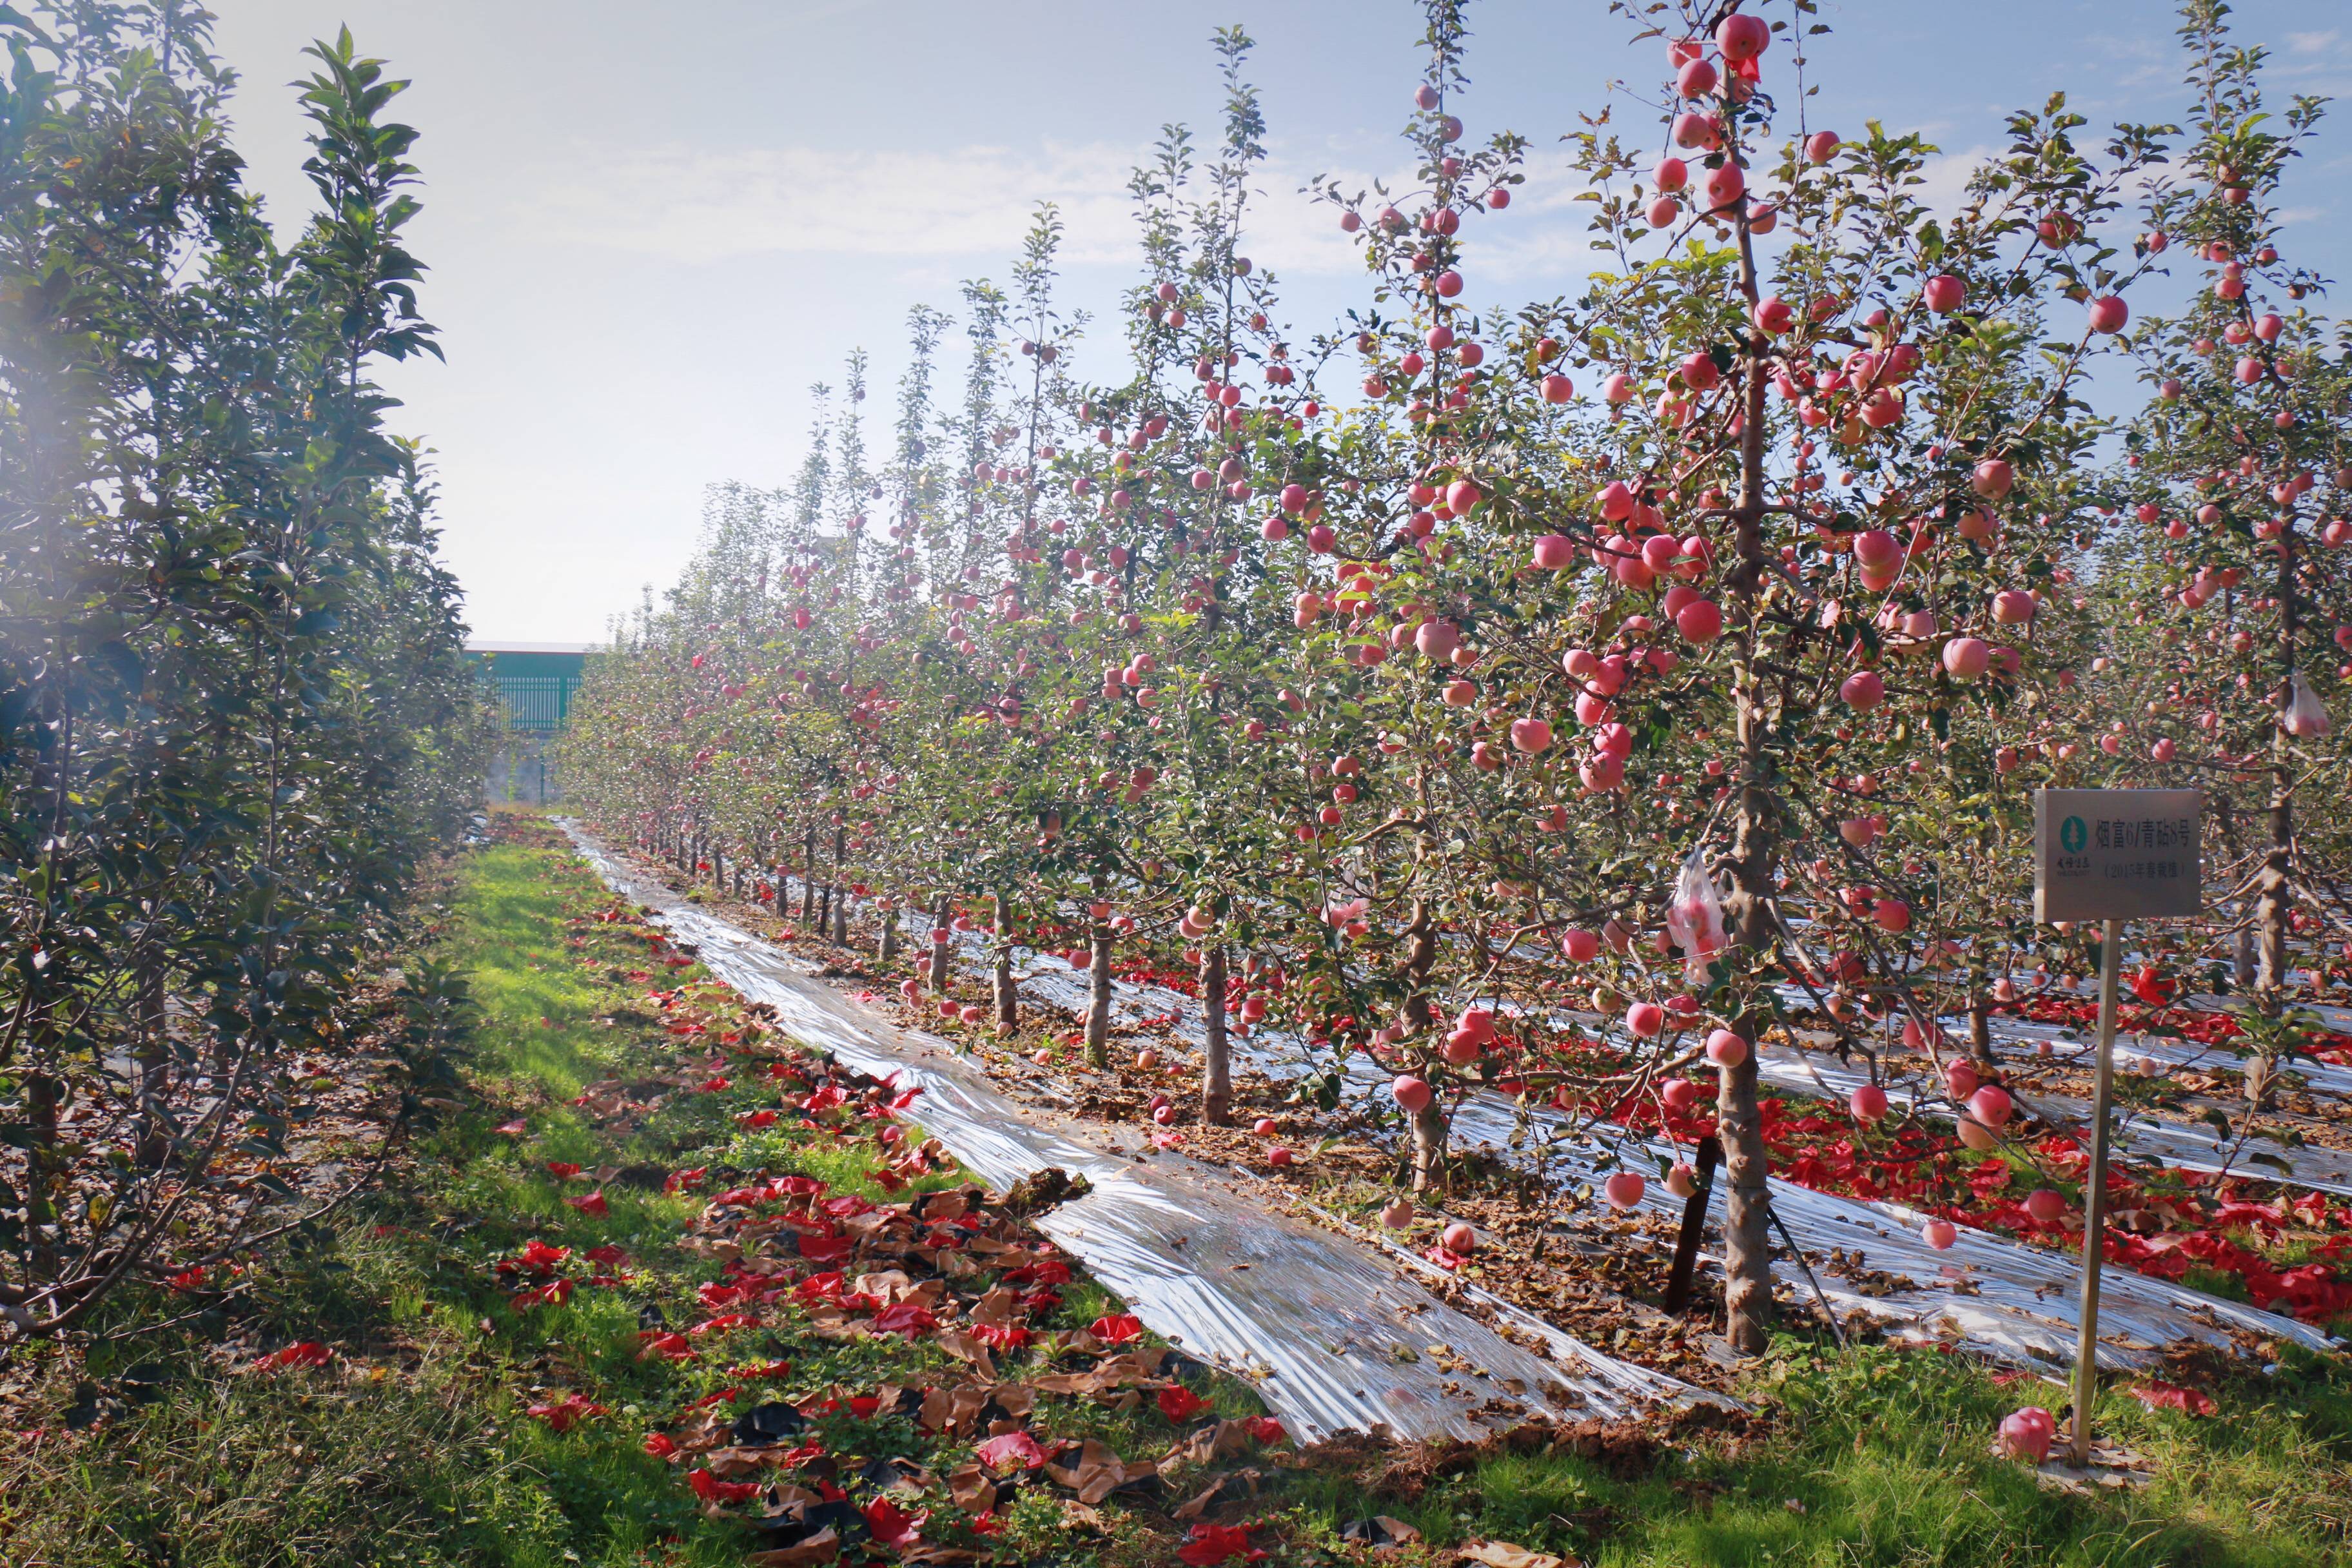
(2304, 716)
(1695, 919)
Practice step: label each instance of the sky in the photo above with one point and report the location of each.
(651, 228)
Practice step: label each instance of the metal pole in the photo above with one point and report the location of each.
(2094, 1196)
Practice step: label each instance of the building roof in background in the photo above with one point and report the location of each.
(488, 645)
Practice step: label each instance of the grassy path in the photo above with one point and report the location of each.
(552, 1339)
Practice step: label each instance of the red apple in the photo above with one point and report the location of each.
(1742, 37)
(2028, 1434)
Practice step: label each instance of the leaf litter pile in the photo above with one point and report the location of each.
(958, 1270)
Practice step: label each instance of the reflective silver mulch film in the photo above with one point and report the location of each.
(1987, 1293)
(1332, 1337)
(2183, 1145)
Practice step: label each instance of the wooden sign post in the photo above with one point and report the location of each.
(2110, 855)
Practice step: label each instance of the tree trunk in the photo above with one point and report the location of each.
(1979, 1010)
(1006, 996)
(44, 1169)
(1754, 846)
(2273, 895)
(887, 951)
(1429, 1122)
(1098, 986)
(154, 1065)
(942, 938)
(1217, 1056)
(1429, 1127)
(1429, 1134)
(840, 889)
(2274, 891)
(808, 877)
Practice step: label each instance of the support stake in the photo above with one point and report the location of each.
(1678, 1281)
(1820, 1296)
(2094, 1196)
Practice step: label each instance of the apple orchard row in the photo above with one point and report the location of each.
(1551, 697)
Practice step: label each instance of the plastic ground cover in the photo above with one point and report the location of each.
(1332, 1337)
(2070, 1042)
(2184, 1145)
(1986, 1293)
(2071, 1046)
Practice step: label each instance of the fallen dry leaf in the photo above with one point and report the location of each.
(965, 1348)
(974, 1491)
(1191, 1508)
(1099, 1472)
(1504, 1554)
(822, 1547)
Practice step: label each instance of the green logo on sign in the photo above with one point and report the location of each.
(2072, 835)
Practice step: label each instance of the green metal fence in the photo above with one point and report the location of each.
(536, 702)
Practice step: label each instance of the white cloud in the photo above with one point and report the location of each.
(691, 204)
(969, 205)
(1947, 176)
(686, 206)
(2135, 59)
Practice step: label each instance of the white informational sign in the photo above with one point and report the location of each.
(2117, 854)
